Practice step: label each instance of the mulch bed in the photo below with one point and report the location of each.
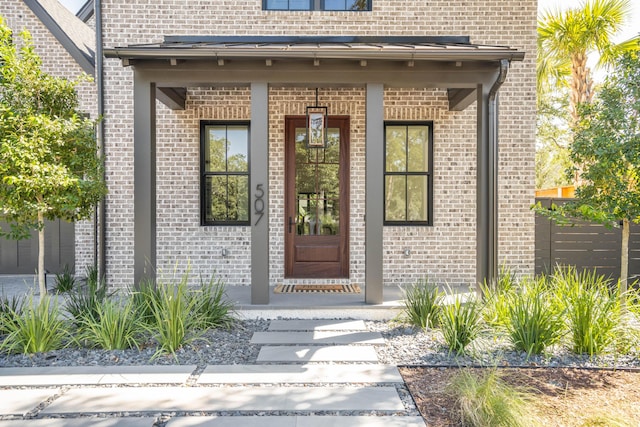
(562, 396)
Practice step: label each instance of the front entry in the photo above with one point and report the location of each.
(317, 201)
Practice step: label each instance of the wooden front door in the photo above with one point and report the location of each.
(317, 201)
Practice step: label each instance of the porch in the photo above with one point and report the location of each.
(470, 73)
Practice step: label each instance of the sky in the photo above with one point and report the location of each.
(73, 5)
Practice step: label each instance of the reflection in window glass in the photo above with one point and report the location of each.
(225, 174)
(288, 4)
(407, 192)
(318, 185)
(346, 5)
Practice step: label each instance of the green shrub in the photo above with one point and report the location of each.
(422, 304)
(175, 320)
(485, 400)
(495, 298)
(115, 326)
(10, 309)
(211, 307)
(145, 297)
(534, 323)
(593, 310)
(84, 300)
(460, 323)
(38, 329)
(65, 281)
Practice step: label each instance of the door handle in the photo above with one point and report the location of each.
(291, 222)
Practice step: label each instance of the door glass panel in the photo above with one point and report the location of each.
(317, 185)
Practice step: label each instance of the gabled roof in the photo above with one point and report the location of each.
(86, 11)
(73, 34)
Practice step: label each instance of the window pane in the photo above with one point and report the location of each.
(238, 148)
(215, 149)
(278, 4)
(345, 4)
(334, 4)
(300, 4)
(396, 151)
(395, 198)
(226, 198)
(418, 200)
(238, 201)
(215, 198)
(418, 142)
(357, 5)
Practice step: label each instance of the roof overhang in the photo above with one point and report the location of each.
(354, 48)
(314, 58)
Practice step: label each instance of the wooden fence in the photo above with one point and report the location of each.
(21, 256)
(584, 245)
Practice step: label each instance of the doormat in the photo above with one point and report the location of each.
(328, 289)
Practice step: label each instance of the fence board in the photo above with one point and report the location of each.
(585, 246)
(21, 257)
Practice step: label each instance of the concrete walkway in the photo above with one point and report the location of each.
(287, 390)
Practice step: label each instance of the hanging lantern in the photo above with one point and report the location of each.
(317, 116)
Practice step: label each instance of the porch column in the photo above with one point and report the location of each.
(259, 191)
(144, 179)
(374, 189)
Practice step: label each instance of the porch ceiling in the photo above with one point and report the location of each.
(448, 62)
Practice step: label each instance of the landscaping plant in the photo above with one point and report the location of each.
(175, 320)
(114, 326)
(65, 282)
(593, 309)
(534, 322)
(485, 400)
(84, 300)
(422, 304)
(40, 328)
(460, 323)
(10, 309)
(495, 298)
(211, 308)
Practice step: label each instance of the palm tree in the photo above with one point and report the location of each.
(566, 38)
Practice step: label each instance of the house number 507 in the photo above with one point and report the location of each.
(258, 204)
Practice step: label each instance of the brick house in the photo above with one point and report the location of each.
(316, 141)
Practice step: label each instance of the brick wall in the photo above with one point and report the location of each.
(445, 251)
(56, 61)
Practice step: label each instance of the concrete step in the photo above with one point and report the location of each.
(95, 375)
(145, 399)
(317, 338)
(299, 374)
(85, 422)
(20, 402)
(300, 354)
(317, 325)
(226, 421)
(299, 421)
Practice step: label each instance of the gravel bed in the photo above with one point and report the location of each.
(404, 346)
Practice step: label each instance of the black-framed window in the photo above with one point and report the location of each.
(408, 179)
(224, 173)
(345, 5)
